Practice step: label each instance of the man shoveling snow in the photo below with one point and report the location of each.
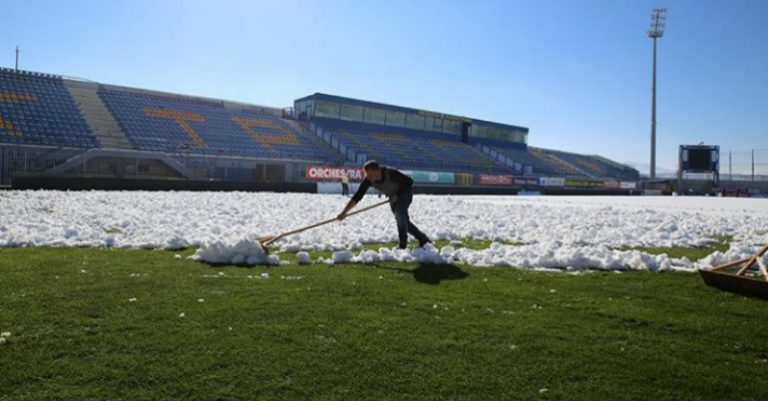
(399, 188)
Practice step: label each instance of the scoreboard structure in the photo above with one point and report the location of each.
(698, 168)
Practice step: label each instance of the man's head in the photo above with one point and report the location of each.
(372, 170)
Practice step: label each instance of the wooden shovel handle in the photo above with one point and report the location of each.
(298, 230)
(752, 260)
(727, 265)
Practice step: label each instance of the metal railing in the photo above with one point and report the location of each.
(744, 165)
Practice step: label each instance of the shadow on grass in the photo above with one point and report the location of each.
(426, 273)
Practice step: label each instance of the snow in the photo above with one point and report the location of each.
(246, 251)
(342, 257)
(557, 232)
(303, 258)
(177, 242)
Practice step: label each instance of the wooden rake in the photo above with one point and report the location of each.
(267, 240)
(739, 283)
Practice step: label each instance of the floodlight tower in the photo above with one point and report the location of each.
(658, 19)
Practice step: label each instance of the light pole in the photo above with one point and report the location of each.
(658, 19)
(17, 58)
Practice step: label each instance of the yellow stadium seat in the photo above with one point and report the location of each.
(183, 119)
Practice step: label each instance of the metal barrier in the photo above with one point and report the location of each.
(26, 161)
(31, 160)
(744, 165)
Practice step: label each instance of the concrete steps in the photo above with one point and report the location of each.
(104, 126)
(566, 164)
(338, 157)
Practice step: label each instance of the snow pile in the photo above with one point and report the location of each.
(556, 231)
(304, 258)
(246, 251)
(175, 243)
(428, 254)
(342, 257)
(737, 251)
(539, 256)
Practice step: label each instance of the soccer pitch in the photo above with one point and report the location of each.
(89, 323)
(536, 298)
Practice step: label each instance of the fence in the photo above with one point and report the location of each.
(21, 161)
(15, 160)
(744, 165)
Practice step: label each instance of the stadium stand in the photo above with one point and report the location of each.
(595, 166)
(36, 109)
(522, 159)
(560, 166)
(538, 161)
(409, 148)
(55, 126)
(173, 124)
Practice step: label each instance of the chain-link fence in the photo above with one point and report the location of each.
(744, 165)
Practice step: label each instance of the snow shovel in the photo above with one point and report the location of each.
(739, 283)
(265, 241)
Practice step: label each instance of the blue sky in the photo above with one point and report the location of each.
(577, 73)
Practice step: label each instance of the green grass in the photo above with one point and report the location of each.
(353, 332)
(721, 243)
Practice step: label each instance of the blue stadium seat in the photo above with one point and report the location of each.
(36, 109)
(595, 166)
(409, 148)
(556, 163)
(177, 124)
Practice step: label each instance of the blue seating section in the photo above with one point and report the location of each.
(409, 148)
(527, 159)
(559, 166)
(538, 161)
(36, 109)
(596, 167)
(178, 124)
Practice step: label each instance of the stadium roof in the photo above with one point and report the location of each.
(366, 103)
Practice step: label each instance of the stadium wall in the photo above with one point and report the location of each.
(75, 169)
(144, 184)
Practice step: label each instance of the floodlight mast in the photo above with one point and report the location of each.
(658, 20)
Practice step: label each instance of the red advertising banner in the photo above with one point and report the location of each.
(486, 179)
(611, 184)
(325, 173)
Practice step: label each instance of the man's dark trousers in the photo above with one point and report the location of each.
(404, 225)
